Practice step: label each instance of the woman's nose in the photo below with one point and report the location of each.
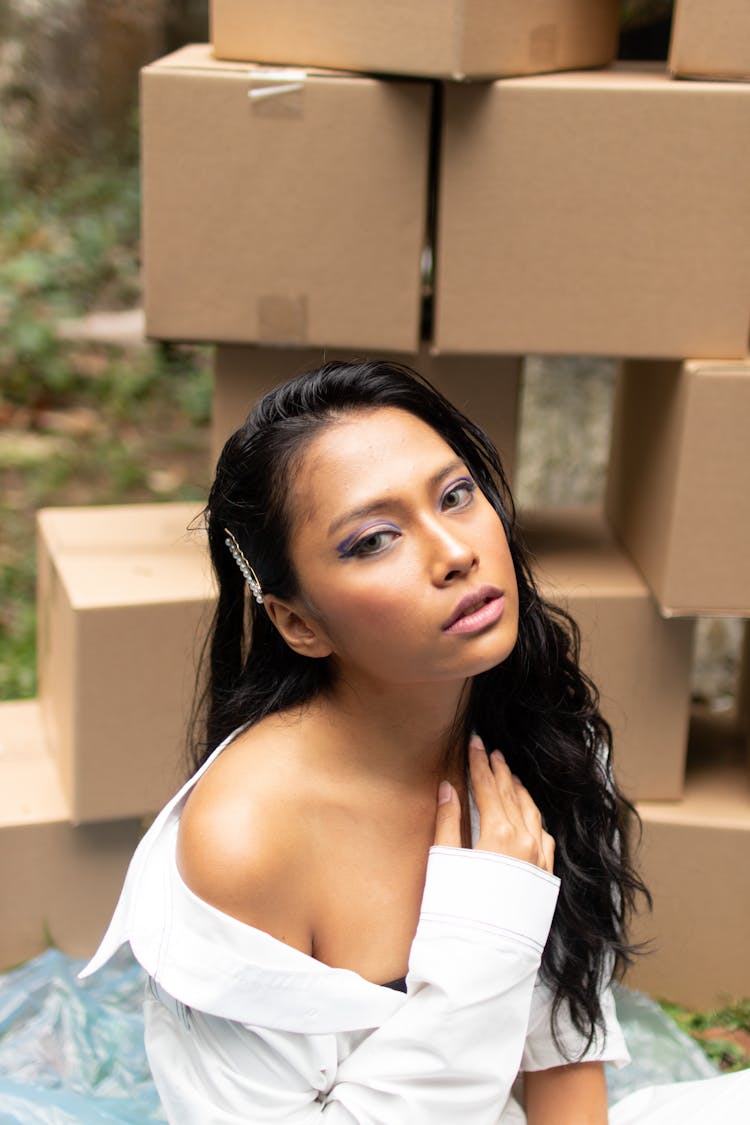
(453, 556)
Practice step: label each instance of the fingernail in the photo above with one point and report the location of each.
(475, 741)
(499, 754)
(444, 792)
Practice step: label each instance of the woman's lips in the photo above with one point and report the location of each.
(477, 619)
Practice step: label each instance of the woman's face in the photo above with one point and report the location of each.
(391, 540)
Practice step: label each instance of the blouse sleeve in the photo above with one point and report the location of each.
(540, 1050)
(450, 1051)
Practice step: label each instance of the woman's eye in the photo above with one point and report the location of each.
(372, 543)
(459, 494)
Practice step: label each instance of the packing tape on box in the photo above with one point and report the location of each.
(277, 91)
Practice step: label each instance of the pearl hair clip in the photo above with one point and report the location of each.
(250, 576)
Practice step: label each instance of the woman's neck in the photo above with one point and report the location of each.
(407, 733)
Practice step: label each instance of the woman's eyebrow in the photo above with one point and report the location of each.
(385, 501)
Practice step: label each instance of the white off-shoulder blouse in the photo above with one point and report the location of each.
(241, 1027)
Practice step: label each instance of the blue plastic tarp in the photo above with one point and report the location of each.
(71, 1052)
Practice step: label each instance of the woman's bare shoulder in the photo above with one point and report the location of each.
(243, 832)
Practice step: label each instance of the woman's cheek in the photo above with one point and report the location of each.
(376, 610)
(380, 613)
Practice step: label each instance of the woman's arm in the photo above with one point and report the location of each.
(575, 1094)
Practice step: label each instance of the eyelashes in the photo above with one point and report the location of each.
(464, 483)
(367, 543)
(375, 539)
(361, 541)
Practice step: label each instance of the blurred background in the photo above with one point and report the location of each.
(92, 413)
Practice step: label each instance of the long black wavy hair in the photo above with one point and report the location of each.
(537, 705)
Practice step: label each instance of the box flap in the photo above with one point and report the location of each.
(200, 57)
(129, 554)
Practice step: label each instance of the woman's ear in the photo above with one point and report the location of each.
(299, 628)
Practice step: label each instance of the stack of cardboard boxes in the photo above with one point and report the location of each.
(123, 596)
(498, 189)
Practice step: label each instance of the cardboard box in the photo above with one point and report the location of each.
(58, 883)
(486, 388)
(282, 207)
(439, 38)
(640, 662)
(678, 492)
(710, 39)
(695, 859)
(124, 598)
(597, 213)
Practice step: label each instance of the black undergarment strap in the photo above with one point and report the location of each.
(399, 984)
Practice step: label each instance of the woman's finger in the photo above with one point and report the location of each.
(506, 789)
(448, 818)
(535, 824)
(483, 780)
(548, 850)
(510, 823)
(531, 816)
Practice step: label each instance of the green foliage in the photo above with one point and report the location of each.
(63, 252)
(147, 440)
(17, 632)
(83, 423)
(726, 1051)
(193, 395)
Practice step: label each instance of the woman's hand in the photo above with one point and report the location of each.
(510, 823)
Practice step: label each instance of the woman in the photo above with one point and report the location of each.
(353, 911)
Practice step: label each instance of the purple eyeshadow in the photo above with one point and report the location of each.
(344, 546)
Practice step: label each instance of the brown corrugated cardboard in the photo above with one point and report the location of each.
(601, 212)
(640, 662)
(695, 858)
(282, 207)
(678, 493)
(242, 375)
(710, 39)
(123, 597)
(439, 38)
(57, 882)
(486, 388)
